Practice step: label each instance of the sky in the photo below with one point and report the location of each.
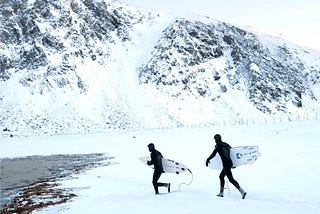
(294, 20)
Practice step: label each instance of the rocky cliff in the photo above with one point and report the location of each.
(73, 66)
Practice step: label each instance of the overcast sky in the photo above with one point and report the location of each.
(295, 20)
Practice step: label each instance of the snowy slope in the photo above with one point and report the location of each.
(284, 180)
(86, 66)
(89, 84)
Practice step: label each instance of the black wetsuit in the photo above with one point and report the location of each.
(156, 160)
(223, 149)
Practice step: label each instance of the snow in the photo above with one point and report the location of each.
(283, 180)
(30, 2)
(110, 93)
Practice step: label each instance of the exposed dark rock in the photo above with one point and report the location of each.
(49, 46)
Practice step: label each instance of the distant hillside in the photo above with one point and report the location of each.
(82, 66)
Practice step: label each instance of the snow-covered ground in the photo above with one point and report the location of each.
(111, 91)
(285, 179)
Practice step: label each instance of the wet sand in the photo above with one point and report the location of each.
(18, 173)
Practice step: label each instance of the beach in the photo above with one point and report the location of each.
(20, 176)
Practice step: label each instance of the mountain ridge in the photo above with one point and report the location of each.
(86, 66)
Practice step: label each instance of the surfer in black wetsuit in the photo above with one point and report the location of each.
(156, 161)
(223, 149)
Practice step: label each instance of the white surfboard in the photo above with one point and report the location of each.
(239, 155)
(169, 166)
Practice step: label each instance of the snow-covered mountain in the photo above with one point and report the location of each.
(73, 66)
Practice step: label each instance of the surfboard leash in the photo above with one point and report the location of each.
(186, 183)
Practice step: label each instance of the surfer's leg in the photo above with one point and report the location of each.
(236, 184)
(227, 172)
(231, 179)
(221, 177)
(164, 185)
(222, 182)
(156, 184)
(156, 176)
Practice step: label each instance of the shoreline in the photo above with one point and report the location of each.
(27, 177)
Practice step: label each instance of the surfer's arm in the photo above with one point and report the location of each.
(211, 156)
(151, 161)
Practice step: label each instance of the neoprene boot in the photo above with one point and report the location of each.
(221, 192)
(156, 190)
(243, 193)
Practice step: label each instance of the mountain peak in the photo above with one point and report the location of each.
(88, 65)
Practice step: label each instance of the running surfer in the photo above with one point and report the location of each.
(223, 149)
(156, 161)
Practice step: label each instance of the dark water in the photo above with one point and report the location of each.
(18, 173)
